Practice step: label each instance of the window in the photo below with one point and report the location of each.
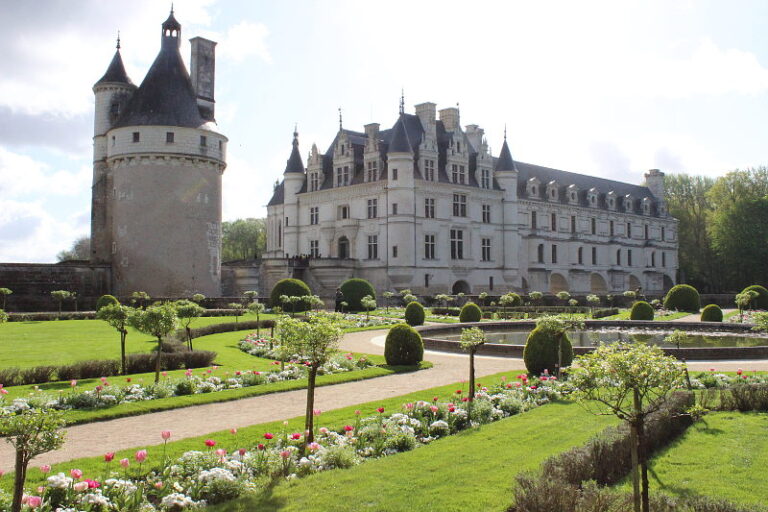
(594, 255)
(338, 176)
(279, 236)
(462, 174)
(373, 247)
(490, 282)
(618, 256)
(136, 137)
(394, 208)
(314, 181)
(629, 257)
(459, 205)
(314, 248)
(373, 206)
(485, 249)
(372, 173)
(540, 253)
(429, 170)
(485, 178)
(426, 280)
(486, 214)
(457, 244)
(429, 208)
(344, 212)
(533, 220)
(553, 222)
(458, 174)
(653, 259)
(394, 174)
(629, 230)
(203, 140)
(593, 226)
(663, 259)
(429, 247)
(286, 221)
(663, 234)
(554, 253)
(169, 137)
(645, 233)
(314, 215)
(573, 223)
(394, 251)
(221, 145)
(342, 176)
(114, 109)
(580, 255)
(610, 227)
(346, 175)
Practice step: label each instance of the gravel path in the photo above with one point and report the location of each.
(94, 439)
(696, 317)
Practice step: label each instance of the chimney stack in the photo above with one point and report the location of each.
(450, 119)
(203, 72)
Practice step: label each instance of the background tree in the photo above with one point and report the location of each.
(4, 293)
(140, 299)
(116, 316)
(629, 381)
(31, 433)
(243, 239)
(387, 295)
(158, 321)
(60, 296)
(238, 309)
(80, 250)
(471, 340)
(369, 304)
(187, 311)
(258, 309)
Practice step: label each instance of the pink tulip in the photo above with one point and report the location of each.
(80, 486)
(158, 485)
(164, 374)
(210, 443)
(434, 408)
(349, 428)
(285, 454)
(45, 468)
(76, 474)
(165, 434)
(34, 501)
(3, 391)
(316, 412)
(109, 456)
(92, 484)
(357, 412)
(73, 383)
(125, 463)
(323, 430)
(241, 451)
(233, 431)
(314, 447)
(268, 436)
(221, 452)
(295, 437)
(141, 455)
(434, 399)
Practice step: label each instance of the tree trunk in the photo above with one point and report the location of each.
(258, 326)
(635, 476)
(157, 359)
(309, 421)
(19, 479)
(471, 374)
(123, 333)
(189, 337)
(643, 465)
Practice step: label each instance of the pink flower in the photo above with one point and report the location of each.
(238, 373)
(458, 391)
(380, 409)
(711, 369)
(509, 385)
(295, 437)
(357, 412)
(73, 383)
(434, 408)
(76, 474)
(125, 463)
(314, 447)
(210, 443)
(158, 485)
(256, 373)
(465, 399)
(349, 428)
(80, 486)
(503, 378)
(285, 454)
(233, 431)
(544, 378)
(45, 468)
(408, 406)
(323, 430)
(141, 455)
(109, 456)
(103, 379)
(165, 434)
(164, 374)
(99, 388)
(3, 391)
(268, 436)
(92, 484)
(434, 399)
(316, 412)
(34, 501)
(221, 452)
(128, 379)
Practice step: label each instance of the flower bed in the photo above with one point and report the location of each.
(214, 475)
(261, 346)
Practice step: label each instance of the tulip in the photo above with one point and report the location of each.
(109, 456)
(3, 391)
(295, 437)
(434, 399)
(316, 412)
(165, 434)
(141, 455)
(158, 485)
(210, 443)
(221, 452)
(268, 436)
(45, 468)
(434, 408)
(357, 412)
(76, 474)
(380, 409)
(323, 430)
(314, 447)
(241, 451)
(285, 454)
(261, 447)
(349, 428)
(92, 484)
(34, 501)
(80, 486)
(233, 431)
(125, 463)
(73, 383)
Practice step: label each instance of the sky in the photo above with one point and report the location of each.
(606, 88)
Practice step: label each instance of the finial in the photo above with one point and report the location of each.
(118, 40)
(505, 131)
(171, 8)
(402, 101)
(340, 120)
(295, 134)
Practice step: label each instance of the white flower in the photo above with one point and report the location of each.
(176, 500)
(59, 481)
(216, 474)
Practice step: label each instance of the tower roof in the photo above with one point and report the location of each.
(505, 162)
(399, 142)
(295, 163)
(165, 96)
(116, 70)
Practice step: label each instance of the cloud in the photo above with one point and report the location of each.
(69, 134)
(22, 176)
(244, 40)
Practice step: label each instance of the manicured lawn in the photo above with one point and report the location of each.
(25, 344)
(725, 456)
(624, 315)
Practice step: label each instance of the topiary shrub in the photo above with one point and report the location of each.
(761, 302)
(106, 300)
(541, 351)
(641, 310)
(712, 313)
(470, 313)
(291, 288)
(414, 314)
(403, 346)
(683, 297)
(354, 290)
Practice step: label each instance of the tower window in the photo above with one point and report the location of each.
(611, 227)
(114, 109)
(203, 140)
(394, 174)
(394, 251)
(136, 137)
(429, 208)
(629, 257)
(169, 137)
(394, 208)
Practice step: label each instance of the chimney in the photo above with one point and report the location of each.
(654, 180)
(372, 136)
(427, 114)
(203, 72)
(475, 135)
(450, 118)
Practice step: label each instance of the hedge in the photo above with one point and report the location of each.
(683, 297)
(403, 346)
(541, 351)
(414, 314)
(641, 310)
(712, 313)
(354, 290)
(470, 313)
(761, 302)
(291, 288)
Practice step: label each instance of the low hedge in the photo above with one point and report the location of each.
(446, 311)
(604, 312)
(228, 327)
(712, 313)
(51, 315)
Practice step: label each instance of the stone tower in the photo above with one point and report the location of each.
(158, 163)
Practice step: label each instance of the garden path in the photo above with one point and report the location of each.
(94, 439)
(696, 317)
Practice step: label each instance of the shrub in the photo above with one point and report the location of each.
(354, 290)
(446, 311)
(290, 288)
(88, 369)
(403, 345)
(683, 297)
(470, 313)
(712, 313)
(641, 310)
(541, 351)
(230, 326)
(761, 302)
(604, 312)
(106, 300)
(414, 314)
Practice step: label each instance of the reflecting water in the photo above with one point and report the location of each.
(593, 337)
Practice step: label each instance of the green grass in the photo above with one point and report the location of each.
(724, 456)
(624, 315)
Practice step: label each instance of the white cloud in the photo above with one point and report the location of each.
(244, 40)
(21, 176)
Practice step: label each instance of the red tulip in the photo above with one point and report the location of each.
(268, 436)
(349, 428)
(109, 456)
(380, 409)
(210, 443)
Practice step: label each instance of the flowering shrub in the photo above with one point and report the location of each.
(717, 380)
(264, 347)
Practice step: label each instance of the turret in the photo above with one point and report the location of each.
(400, 157)
(293, 181)
(506, 171)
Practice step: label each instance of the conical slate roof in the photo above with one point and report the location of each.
(505, 162)
(116, 71)
(295, 163)
(399, 142)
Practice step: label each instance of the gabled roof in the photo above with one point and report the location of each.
(295, 163)
(116, 71)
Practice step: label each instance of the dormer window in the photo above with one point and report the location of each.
(611, 200)
(573, 194)
(533, 187)
(662, 210)
(628, 203)
(592, 197)
(552, 194)
(646, 206)
(203, 141)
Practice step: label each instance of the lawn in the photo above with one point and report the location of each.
(624, 315)
(724, 456)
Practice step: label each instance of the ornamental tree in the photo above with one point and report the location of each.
(387, 295)
(761, 322)
(743, 300)
(257, 308)
(60, 296)
(4, 293)
(31, 433)
(116, 316)
(535, 297)
(471, 340)
(187, 311)
(158, 321)
(629, 381)
(443, 298)
(198, 298)
(563, 296)
(238, 308)
(3, 316)
(250, 296)
(368, 303)
(482, 297)
(140, 299)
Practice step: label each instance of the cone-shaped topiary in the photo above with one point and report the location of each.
(712, 313)
(106, 300)
(354, 290)
(291, 288)
(641, 310)
(761, 302)
(414, 314)
(541, 351)
(403, 346)
(470, 313)
(682, 297)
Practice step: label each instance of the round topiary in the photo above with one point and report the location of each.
(106, 300)
(354, 290)
(291, 288)
(414, 314)
(683, 297)
(641, 310)
(761, 302)
(712, 313)
(470, 313)
(403, 346)
(513, 300)
(541, 351)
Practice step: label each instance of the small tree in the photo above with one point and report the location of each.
(158, 321)
(314, 302)
(187, 311)
(250, 296)
(116, 316)
(31, 433)
(368, 303)
(387, 295)
(3, 316)
(140, 299)
(408, 298)
(258, 309)
(677, 338)
(593, 300)
(508, 300)
(198, 298)
(4, 293)
(563, 296)
(761, 322)
(239, 309)
(471, 340)
(73, 298)
(443, 298)
(482, 297)
(743, 301)
(60, 296)
(535, 297)
(629, 381)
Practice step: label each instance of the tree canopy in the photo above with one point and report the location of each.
(243, 239)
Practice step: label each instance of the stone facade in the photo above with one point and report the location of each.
(425, 206)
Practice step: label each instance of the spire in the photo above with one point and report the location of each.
(118, 40)
(340, 120)
(399, 142)
(402, 101)
(116, 70)
(295, 163)
(171, 33)
(505, 161)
